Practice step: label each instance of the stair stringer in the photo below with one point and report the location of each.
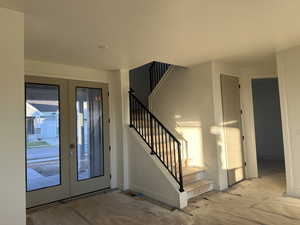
(148, 176)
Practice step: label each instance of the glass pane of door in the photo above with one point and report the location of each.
(89, 133)
(42, 136)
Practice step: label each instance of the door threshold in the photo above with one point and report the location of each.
(66, 200)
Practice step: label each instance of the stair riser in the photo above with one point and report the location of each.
(200, 190)
(192, 178)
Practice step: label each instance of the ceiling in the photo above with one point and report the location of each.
(134, 32)
(13, 4)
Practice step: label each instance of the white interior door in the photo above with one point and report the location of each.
(232, 125)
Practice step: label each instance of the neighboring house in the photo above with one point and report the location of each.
(42, 122)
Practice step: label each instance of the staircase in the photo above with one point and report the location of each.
(163, 144)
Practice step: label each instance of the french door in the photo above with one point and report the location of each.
(67, 139)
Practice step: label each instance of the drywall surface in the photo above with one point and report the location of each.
(267, 117)
(12, 126)
(147, 174)
(139, 79)
(116, 140)
(289, 83)
(47, 69)
(185, 104)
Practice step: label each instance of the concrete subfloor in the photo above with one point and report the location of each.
(256, 201)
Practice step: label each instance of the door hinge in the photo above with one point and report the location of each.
(110, 176)
(108, 120)
(239, 86)
(243, 138)
(108, 93)
(245, 164)
(241, 111)
(109, 148)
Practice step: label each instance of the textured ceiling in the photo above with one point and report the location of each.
(13, 4)
(138, 31)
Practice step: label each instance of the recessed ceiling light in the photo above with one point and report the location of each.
(103, 46)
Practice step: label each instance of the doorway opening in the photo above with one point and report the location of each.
(268, 130)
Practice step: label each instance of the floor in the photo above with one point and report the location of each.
(257, 201)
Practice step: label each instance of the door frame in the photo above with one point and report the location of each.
(39, 196)
(219, 133)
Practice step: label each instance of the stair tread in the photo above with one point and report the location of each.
(186, 171)
(198, 184)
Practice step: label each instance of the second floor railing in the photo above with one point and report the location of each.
(161, 141)
(157, 71)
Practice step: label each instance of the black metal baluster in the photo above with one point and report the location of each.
(180, 168)
(130, 110)
(143, 122)
(175, 158)
(140, 119)
(157, 138)
(137, 117)
(145, 125)
(136, 112)
(152, 137)
(162, 145)
(149, 130)
(166, 139)
(171, 158)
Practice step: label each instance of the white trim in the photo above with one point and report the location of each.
(285, 129)
(125, 123)
(248, 127)
(218, 114)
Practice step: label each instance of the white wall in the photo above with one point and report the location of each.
(195, 95)
(148, 176)
(12, 160)
(289, 83)
(185, 104)
(47, 69)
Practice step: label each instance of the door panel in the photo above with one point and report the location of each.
(233, 136)
(89, 137)
(46, 156)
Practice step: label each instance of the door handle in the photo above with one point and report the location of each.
(72, 146)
